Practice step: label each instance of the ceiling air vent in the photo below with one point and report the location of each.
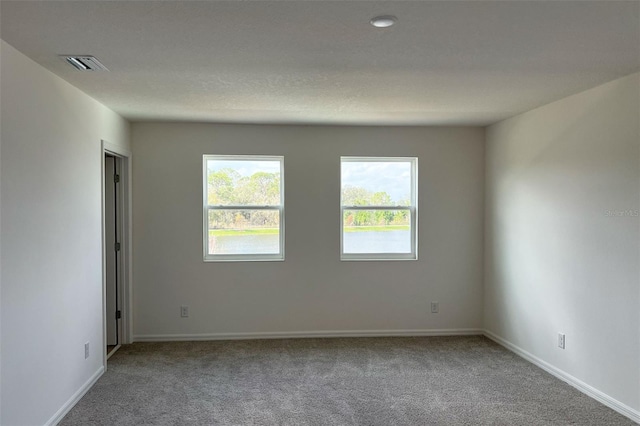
(84, 62)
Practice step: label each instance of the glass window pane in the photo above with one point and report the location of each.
(376, 183)
(244, 232)
(376, 231)
(243, 182)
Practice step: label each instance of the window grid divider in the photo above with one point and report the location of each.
(408, 208)
(242, 207)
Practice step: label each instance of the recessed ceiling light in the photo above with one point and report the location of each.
(383, 21)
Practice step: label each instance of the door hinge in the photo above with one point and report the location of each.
(116, 246)
(118, 314)
(116, 178)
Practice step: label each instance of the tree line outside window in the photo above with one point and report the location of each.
(227, 187)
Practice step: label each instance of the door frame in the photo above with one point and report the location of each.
(125, 288)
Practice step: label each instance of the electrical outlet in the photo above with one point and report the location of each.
(86, 350)
(561, 340)
(184, 311)
(435, 307)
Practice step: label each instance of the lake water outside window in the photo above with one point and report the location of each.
(244, 208)
(378, 208)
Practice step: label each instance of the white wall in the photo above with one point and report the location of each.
(312, 290)
(0, 239)
(556, 259)
(51, 255)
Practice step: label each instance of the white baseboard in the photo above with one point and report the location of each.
(588, 390)
(305, 334)
(58, 416)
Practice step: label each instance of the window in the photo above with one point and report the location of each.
(243, 207)
(378, 208)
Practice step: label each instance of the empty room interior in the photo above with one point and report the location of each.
(319, 212)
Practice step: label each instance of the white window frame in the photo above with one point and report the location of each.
(250, 257)
(412, 209)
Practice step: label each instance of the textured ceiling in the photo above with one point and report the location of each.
(447, 62)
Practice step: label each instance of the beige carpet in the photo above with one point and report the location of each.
(347, 381)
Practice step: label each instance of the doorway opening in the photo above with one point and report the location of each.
(116, 248)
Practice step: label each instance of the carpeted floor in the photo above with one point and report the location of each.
(346, 381)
